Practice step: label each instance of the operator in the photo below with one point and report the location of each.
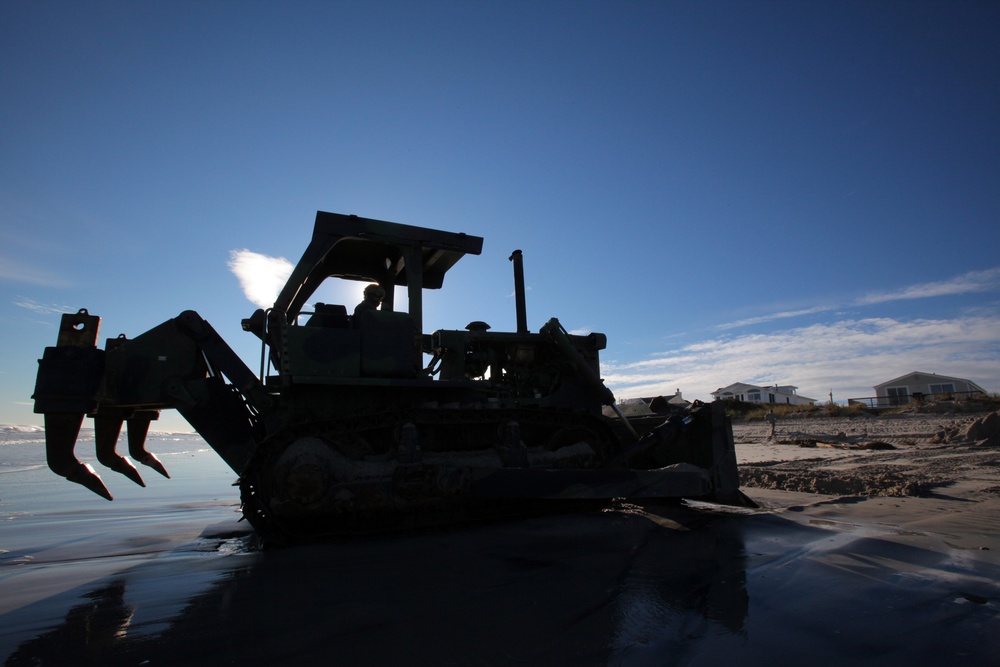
(373, 299)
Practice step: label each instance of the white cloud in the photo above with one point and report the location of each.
(261, 277)
(847, 357)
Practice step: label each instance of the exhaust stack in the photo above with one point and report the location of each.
(522, 314)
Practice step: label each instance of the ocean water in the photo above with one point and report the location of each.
(167, 575)
(27, 485)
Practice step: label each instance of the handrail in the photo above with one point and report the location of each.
(884, 402)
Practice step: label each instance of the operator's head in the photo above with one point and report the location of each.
(374, 294)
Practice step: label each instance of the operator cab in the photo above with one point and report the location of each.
(380, 343)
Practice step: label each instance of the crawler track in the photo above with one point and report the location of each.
(363, 475)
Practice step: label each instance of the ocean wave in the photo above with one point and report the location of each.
(19, 468)
(17, 434)
(34, 428)
(21, 428)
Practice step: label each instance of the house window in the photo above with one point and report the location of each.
(942, 388)
(753, 396)
(771, 397)
(898, 395)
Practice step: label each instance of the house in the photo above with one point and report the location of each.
(654, 405)
(664, 404)
(751, 393)
(899, 391)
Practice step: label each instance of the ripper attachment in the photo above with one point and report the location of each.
(66, 390)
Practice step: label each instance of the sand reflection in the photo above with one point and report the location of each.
(639, 585)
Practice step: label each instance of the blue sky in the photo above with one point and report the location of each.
(799, 193)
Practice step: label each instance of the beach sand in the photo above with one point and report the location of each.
(899, 567)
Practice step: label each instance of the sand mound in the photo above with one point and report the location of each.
(985, 431)
(871, 484)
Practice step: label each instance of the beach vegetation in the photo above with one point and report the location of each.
(757, 411)
(980, 402)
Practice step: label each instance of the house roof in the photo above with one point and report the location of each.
(672, 399)
(743, 386)
(782, 389)
(901, 378)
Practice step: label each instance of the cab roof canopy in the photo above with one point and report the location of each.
(387, 253)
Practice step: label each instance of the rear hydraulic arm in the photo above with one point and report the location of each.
(179, 364)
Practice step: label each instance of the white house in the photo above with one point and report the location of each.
(654, 405)
(899, 391)
(664, 404)
(751, 393)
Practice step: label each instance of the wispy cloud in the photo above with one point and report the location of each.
(760, 319)
(847, 357)
(973, 281)
(261, 277)
(22, 272)
(967, 283)
(43, 309)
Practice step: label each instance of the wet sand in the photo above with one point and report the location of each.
(808, 578)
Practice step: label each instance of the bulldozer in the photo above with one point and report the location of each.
(359, 422)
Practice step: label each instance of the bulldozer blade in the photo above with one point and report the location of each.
(61, 431)
(138, 429)
(106, 433)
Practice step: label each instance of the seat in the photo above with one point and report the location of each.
(330, 316)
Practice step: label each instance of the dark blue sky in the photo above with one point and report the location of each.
(718, 186)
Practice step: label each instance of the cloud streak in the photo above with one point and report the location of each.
(967, 283)
(775, 316)
(973, 281)
(42, 309)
